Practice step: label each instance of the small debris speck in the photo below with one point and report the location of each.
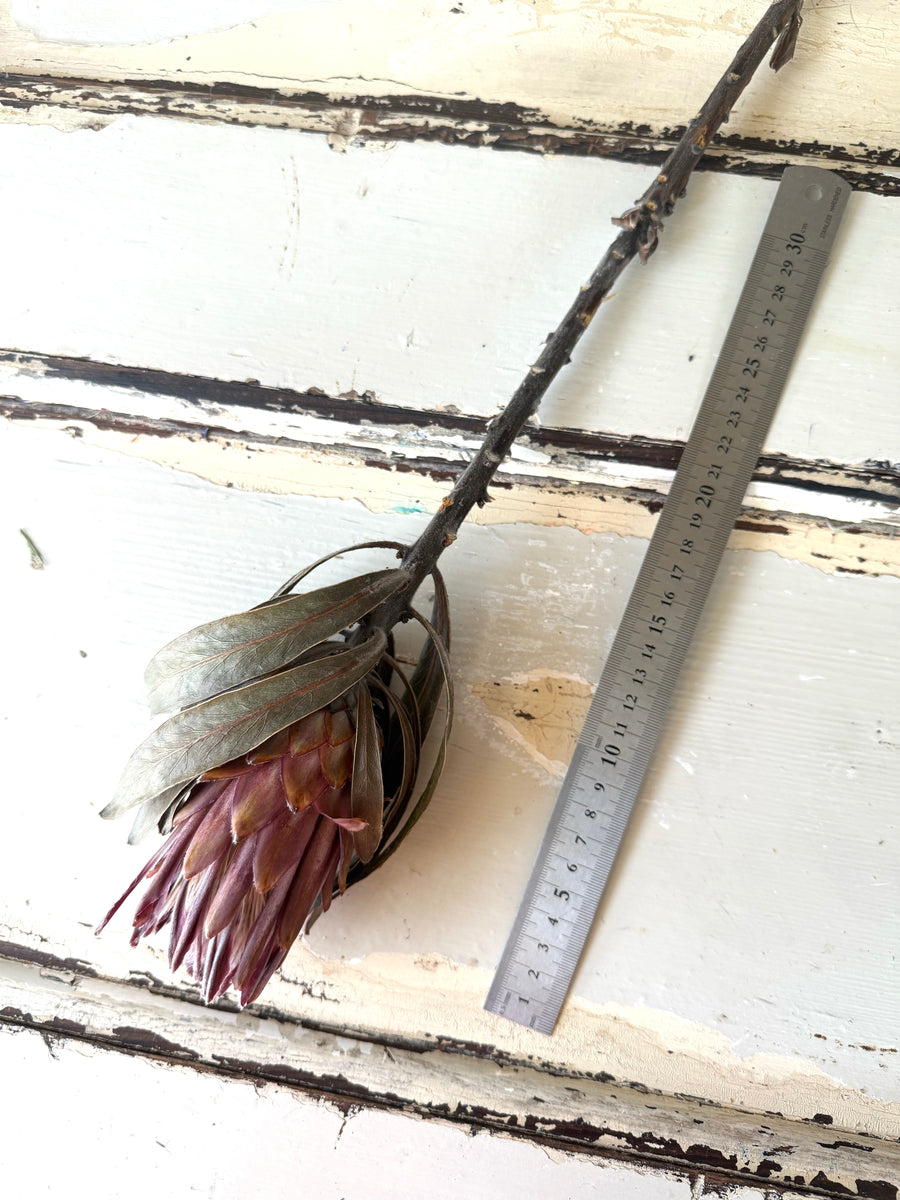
(37, 559)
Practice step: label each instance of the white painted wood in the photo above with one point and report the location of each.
(745, 954)
(594, 62)
(426, 275)
(405, 469)
(183, 1133)
(745, 951)
(602, 1118)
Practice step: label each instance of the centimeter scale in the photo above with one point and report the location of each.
(635, 691)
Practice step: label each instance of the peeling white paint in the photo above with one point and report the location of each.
(570, 63)
(156, 1143)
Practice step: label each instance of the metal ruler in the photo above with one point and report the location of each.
(635, 691)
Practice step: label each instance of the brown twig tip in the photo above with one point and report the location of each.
(787, 40)
(781, 25)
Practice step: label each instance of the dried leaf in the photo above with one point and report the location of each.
(295, 579)
(427, 682)
(360, 870)
(199, 738)
(786, 43)
(150, 812)
(408, 746)
(366, 787)
(234, 650)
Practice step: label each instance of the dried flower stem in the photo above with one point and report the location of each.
(640, 229)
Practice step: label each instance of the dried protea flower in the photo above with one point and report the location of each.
(289, 772)
(268, 811)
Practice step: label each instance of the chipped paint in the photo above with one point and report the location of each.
(543, 56)
(490, 1085)
(387, 484)
(542, 711)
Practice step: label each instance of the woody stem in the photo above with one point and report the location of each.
(641, 226)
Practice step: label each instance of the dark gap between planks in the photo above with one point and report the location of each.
(501, 126)
(877, 481)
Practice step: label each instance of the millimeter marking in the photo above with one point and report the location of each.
(635, 690)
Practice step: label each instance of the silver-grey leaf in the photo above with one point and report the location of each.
(148, 816)
(220, 729)
(234, 650)
(161, 801)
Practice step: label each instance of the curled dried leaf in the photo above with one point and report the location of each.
(367, 788)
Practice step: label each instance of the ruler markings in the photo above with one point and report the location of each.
(629, 708)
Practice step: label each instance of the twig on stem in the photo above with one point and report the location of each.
(640, 232)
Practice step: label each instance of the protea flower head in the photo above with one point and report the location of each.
(289, 773)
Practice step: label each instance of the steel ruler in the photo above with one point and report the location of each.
(635, 691)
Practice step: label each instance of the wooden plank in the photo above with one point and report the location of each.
(833, 518)
(182, 1131)
(409, 276)
(628, 1133)
(774, 780)
(544, 62)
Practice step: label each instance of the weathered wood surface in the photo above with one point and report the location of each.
(226, 348)
(221, 252)
(774, 780)
(707, 1148)
(185, 1133)
(531, 72)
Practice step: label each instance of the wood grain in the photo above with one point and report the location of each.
(548, 62)
(430, 283)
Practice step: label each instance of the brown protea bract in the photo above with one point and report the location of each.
(290, 771)
(257, 845)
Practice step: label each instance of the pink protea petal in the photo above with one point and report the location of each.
(187, 921)
(237, 879)
(346, 859)
(308, 882)
(274, 747)
(201, 797)
(156, 904)
(244, 923)
(258, 799)
(329, 874)
(280, 846)
(262, 955)
(222, 954)
(263, 971)
(337, 762)
(168, 853)
(302, 779)
(334, 803)
(213, 837)
(229, 770)
(215, 966)
(308, 733)
(338, 726)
